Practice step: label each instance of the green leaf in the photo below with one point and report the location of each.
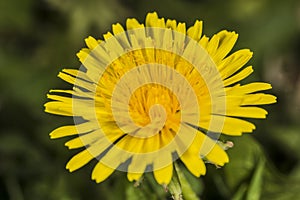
(239, 195)
(255, 187)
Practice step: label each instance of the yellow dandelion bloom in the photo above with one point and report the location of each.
(153, 93)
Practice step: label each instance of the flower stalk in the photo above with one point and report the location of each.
(179, 187)
(175, 187)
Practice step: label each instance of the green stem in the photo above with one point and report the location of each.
(187, 191)
(175, 187)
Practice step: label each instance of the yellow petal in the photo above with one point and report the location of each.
(63, 131)
(95, 138)
(133, 24)
(181, 28)
(152, 20)
(194, 163)
(83, 54)
(79, 160)
(68, 105)
(113, 43)
(108, 36)
(79, 92)
(75, 143)
(101, 172)
(62, 91)
(72, 130)
(66, 77)
(213, 45)
(204, 41)
(195, 31)
(239, 76)
(115, 156)
(258, 99)
(254, 87)
(164, 175)
(251, 112)
(134, 176)
(59, 108)
(73, 72)
(117, 28)
(234, 62)
(171, 24)
(217, 155)
(247, 89)
(144, 145)
(91, 42)
(119, 32)
(67, 100)
(137, 167)
(227, 125)
(226, 43)
(83, 81)
(235, 126)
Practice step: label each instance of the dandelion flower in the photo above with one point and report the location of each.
(152, 93)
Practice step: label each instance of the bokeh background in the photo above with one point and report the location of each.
(40, 37)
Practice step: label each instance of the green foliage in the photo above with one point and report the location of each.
(39, 38)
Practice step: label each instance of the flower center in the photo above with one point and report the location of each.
(155, 105)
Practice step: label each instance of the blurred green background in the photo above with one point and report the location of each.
(39, 38)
